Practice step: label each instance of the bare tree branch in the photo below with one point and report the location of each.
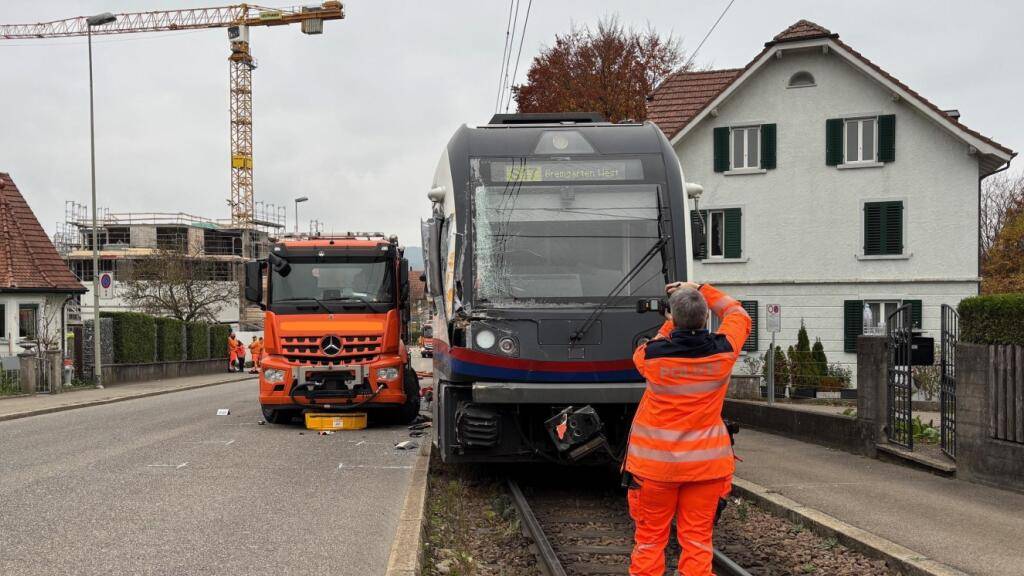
(180, 285)
(1000, 194)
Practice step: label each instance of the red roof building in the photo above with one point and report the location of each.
(28, 260)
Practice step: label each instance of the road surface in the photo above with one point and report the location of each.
(163, 485)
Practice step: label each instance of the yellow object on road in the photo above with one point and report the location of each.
(328, 421)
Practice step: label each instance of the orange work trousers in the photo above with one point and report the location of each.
(693, 504)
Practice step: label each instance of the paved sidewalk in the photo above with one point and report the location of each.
(970, 527)
(22, 406)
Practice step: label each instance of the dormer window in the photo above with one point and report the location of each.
(801, 79)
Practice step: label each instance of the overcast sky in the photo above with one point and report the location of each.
(357, 118)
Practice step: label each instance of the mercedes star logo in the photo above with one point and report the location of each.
(330, 345)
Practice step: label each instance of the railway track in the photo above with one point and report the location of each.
(585, 532)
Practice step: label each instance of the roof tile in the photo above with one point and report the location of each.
(28, 259)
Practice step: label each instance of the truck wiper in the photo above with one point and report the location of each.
(644, 260)
(307, 298)
(367, 303)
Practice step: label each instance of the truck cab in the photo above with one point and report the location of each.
(335, 326)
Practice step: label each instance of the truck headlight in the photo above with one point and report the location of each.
(273, 375)
(390, 373)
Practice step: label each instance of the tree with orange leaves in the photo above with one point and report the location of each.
(610, 71)
(1003, 267)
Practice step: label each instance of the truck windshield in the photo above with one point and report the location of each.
(538, 240)
(336, 285)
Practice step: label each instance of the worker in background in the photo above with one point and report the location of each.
(256, 351)
(680, 459)
(240, 352)
(232, 352)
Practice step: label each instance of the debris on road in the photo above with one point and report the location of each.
(416, 433)
(406, 445)
(420, 426)
(223, 411)
(326, 432)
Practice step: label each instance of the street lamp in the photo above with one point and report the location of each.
(97, 20)
(297, 200)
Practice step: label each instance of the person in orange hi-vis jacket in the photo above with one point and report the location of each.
(680, 459)
(232, 352)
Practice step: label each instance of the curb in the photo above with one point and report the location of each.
(65, 407)
(406, 557)
(895, 556)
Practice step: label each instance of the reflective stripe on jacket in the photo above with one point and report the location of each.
(678, 434)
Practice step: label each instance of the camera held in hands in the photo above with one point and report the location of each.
(659, 305)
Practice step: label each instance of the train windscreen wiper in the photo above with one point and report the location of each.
(307, 298)
(657, 248)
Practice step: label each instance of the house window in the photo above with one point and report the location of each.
(3, 321)
(801, 79)
(883, 228)
(880, 312)
(716, 235)
(746, 148)
(861, 140)
(28, 321)
(722, 233)
(714, 323)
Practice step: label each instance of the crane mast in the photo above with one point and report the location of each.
(237, 19)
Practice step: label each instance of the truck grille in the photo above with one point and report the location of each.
(306, 350)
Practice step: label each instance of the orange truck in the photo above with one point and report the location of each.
(335, 327)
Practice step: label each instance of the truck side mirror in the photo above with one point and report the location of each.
(403, 280)
(254, 282)
(280, 265)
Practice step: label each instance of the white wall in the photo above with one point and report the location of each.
(49, 315)
(803, 220)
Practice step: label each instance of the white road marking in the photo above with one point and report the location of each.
(175, 466)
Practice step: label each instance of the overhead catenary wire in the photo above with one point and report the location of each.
(504, 59)
(706, 36)
(522, 36)
(508, 60)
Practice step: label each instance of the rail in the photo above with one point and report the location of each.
(548, 549)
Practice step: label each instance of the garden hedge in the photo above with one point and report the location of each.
(134, 337)
(219, 340)
(197, 336)
(994, 319)
(170, 339)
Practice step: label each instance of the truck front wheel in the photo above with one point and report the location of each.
(278, 416)
(411, 408)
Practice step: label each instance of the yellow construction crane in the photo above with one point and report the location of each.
(237, 19)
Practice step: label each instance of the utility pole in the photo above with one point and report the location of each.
(97, 20)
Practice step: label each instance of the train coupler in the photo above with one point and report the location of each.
(577, 432)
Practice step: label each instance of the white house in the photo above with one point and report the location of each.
(35, 284)
(828, 183)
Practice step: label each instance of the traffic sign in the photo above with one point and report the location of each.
(774, 317)
(106, 285)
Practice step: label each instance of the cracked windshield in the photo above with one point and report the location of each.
(563, 230)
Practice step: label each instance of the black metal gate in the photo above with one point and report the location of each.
(947, 384)
(900, 384)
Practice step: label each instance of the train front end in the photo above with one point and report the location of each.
(547, 235)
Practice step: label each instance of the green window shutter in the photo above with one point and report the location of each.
(915, 312)
(887, 138)
(698, 238)
(853, 323)
(892, 228)
(834, 141)
(873, 212)
(721, 149)
(751, 307)
(733, 233)
(768, 146)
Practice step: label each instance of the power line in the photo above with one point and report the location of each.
(512, 41)
(504, 56)
(522, 36)
(712, 29)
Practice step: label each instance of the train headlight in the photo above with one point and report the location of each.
(485, 339)
(273, 375)
(508, 346)
(389, 373)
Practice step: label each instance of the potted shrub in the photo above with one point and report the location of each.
(782, 373)
(804, 373)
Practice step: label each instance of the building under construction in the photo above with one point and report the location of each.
(125, 239)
